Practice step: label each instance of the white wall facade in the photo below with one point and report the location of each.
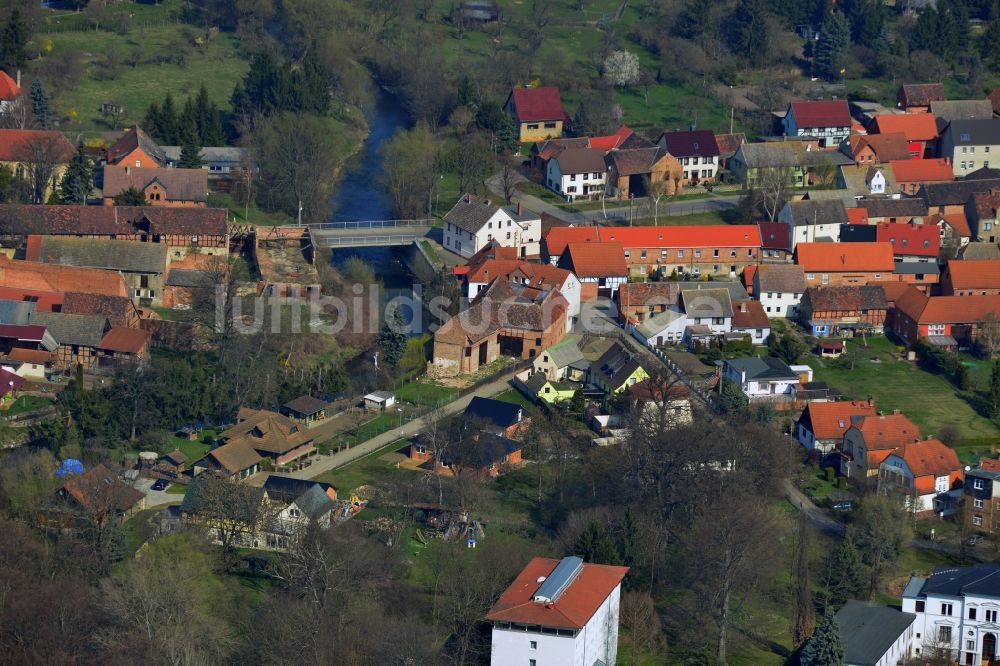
(779, 303)
(526, 235)
(719, 325)
(573, 185)
(966, 633)
(757, 335)
(597, 640)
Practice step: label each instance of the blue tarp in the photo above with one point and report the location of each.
(70, 466)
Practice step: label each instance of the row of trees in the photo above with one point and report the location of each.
(198, 121)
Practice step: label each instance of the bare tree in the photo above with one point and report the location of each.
(771, 184)
(642, 622)
(17, 115)
(41, 155)
(508, 178)
(308, 568)
(232, 514)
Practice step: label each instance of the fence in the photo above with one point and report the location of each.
(374, 224)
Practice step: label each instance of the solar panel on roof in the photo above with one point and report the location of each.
(561, 577)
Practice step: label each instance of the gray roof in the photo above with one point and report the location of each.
(858, 178)
(73, 329)
(762, 367)
(565, 354)
(902, 207)
(737, 292)
(126, 256)
(616, 365)
(314, 502)
(773, 154)
(914, 267)
(16, 312)
(955, 193)
(471, 213)
(979, 579)
(913, 587)
(536, 381)
(581, 160)
(186, 277)
(817, 212)
(951, 110)
(658, 322)
(868, 630)
(979, 251)
(781, 278)
(977, 131)
(707, 302)
(208, 154)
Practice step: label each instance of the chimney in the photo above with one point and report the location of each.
(743, 307)
(895, 412)
(18, 78)
(519, 208)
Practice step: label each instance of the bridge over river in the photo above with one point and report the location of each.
(370, 233)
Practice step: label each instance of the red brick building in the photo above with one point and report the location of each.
(971, 277)
(944, 320)
(844, 263)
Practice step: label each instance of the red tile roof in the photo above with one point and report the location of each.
(127, 340)
(9, 90)
(923, 240)
(749, 314)
(538, 275)
(949, 309)
(830, 420)
(606, 259)
(916, 126)
(893, 290)
(611, 141)
(32, 275)
(886, 431)
(539, 104)
(931, 457)
(934, 170)
(20, 145)
(974, 273)
(992, 464)
(572, 609)
(842, 257)
(113, 220)
(31, 332)
(890, 146)
(823, 113)
(641, 294)
(920, 94)
(749, 271)
(856, 215)
(10, 382)
(775, 235)
(38, 356)
(957, 221)
(718, 235)
(99, 491)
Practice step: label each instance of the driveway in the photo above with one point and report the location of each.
(156, 498)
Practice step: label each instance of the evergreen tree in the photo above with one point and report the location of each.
(786, 347)
(832, 47)
(989, 46)
(166, 131)
(596, 546)
(732, 397)
(805, 612)
(41, 105)
(13, 39)
(749, 36)
(994, 396)
(130, 197)
(631, 542)
(153, 120)
(393, 336)
(208, 120)
(695, 19)
(78, 181)
(825, 647)
(846, 574)
(190, 154)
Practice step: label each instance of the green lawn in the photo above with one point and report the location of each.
(194, 449)
(518, 398)
(137, 87)
(929, 400)
(364, 471)
(701, 219)
(27, 403)
(423, 392)
(253, 214)
(176, 489)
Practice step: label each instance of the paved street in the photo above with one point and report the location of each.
(156, 498)
(346, 456)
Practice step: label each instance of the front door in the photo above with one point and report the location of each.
(989, 647)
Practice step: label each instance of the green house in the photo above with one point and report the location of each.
(552, 392)
(617, 369)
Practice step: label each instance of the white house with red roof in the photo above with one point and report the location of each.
(560, 612)
(827, 120)
(928, 473)
(10, 90)
(823, 424)
(538, 113)
(697, 151)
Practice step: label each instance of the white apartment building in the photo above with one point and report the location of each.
(958, 610)
(474, 222)
(971, 144)
(779, 288)
(558, 613)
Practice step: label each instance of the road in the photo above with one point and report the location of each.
(327, 463)
(712, 204)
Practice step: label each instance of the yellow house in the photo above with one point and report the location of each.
(537, 112)
(36, 158)
(552, 392)
(617, 370)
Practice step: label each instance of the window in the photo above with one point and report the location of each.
(972, 613)
(572, 177)
(534, 645)
(810, 276)
(532, 662)
(508, 235)
(978, 503)
(550, 125)
(642, 255)
(138, 163)
(991, 616)
(920, 609)
(680, 253)
(732, 253)
(826, 278)
(944, 634)
(715, 253)
(697, 253)
(978, 484)
(946, 610)
(970, 645)
(532, 126)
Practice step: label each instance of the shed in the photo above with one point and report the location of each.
(830, 348)
(306, 409)
(378, 401)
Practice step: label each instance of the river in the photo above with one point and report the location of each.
(361, 196)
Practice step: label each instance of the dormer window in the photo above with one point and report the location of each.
(964, 136)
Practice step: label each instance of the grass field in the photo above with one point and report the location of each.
(27, 403)
(365, 471)
(929, 400)
(676, 220)
(136, 87)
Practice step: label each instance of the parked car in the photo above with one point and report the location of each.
(160, 484)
